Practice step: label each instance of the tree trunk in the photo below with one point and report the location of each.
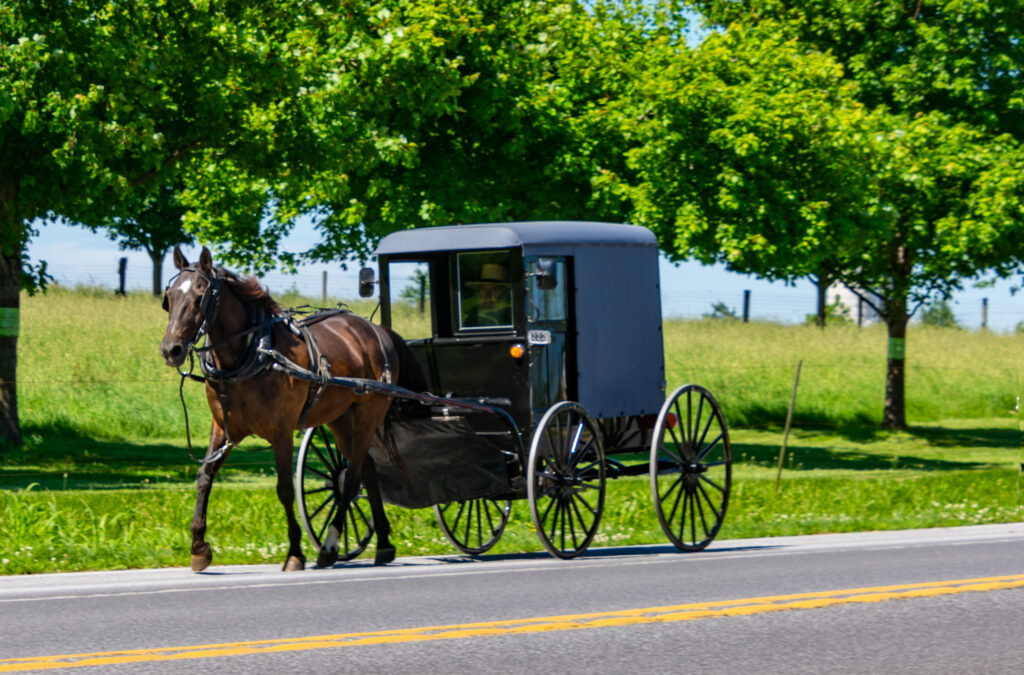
(158, 272)
(822, 283)
(894, 415)
(10, 306)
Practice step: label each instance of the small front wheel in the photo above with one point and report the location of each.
(565, 479)
(473, 526)
(691, 467)
(319, 477)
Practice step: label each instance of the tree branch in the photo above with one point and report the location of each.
(175, 156)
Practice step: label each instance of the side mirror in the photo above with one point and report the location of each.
(366, 282)
(545, 275)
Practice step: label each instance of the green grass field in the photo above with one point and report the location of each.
(104, 481)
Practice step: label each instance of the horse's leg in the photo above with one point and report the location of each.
(381, 525)
(202, 555)
(330, 548)
(367, 418)
(283, 449)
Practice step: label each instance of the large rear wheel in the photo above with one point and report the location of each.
(319, 477)
(565, 479)
(691, 467)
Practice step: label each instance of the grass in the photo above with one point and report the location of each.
(103, 480)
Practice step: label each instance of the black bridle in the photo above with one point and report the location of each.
(208, 306)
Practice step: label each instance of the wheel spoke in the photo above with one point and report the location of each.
(328, 460)
(327, 521)
(354, 509)
(328, 500)
(696, 422)
(710, 503)
(678, 483)
(579, 496)
(672, 452)
(706, 449)
(704, 478)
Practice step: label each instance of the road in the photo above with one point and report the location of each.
(921, 601)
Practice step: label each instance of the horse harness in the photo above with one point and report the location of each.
(260, 355)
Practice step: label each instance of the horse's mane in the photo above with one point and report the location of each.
(249, 290)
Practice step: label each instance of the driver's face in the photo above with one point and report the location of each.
(492, 294)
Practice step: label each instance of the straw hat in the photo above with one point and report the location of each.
(491, 273)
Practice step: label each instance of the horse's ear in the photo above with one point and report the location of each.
(179, 258)
(206, 261)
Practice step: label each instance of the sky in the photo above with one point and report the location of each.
(77, 256)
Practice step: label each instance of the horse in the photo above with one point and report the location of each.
(240, 321)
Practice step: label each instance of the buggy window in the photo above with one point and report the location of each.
(546, 304)
(485, 292)
(410, 303)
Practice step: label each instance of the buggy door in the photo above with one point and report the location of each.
(548, 318)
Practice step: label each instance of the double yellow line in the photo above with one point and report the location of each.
(668, 614)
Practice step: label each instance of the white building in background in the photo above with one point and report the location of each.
(860, 312)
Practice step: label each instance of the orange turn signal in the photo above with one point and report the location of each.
(516, 351)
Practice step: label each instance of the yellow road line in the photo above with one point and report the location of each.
(648, 615)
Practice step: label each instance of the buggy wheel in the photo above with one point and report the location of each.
(691, 467)
(473, 526)
(565, 479)
(319, 476)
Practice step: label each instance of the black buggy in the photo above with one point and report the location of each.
(541, 344)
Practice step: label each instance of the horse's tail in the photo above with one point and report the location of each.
(410, 376)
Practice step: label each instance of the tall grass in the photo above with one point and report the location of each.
(89, 365)
(750, 368)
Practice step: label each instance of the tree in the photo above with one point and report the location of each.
(364, 117)
(154, 229)
(912, 200)
(103, 103)
(514, 140)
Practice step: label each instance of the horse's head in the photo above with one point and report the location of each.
(191, 302)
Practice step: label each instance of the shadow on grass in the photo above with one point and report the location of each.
(808, 458)
(860, 427)
(60, 458)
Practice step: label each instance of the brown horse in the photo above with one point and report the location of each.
(237, 317)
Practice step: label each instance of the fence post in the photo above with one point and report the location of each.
(789, 419)
(122, 267)
(323, 288)
(423, 294)
(984, 313)
(746, 306)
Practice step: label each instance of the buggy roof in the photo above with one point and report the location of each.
(514, 235)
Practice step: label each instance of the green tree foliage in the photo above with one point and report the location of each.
(939, 314)
(102, 103)
(363, 116)
(875, 144)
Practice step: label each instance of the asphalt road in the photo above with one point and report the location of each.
(922, 601)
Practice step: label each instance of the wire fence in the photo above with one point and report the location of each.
(766, 303)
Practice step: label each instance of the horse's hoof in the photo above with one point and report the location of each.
(201, 562)
(327, 557)
(294, 564)
(384, 556)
